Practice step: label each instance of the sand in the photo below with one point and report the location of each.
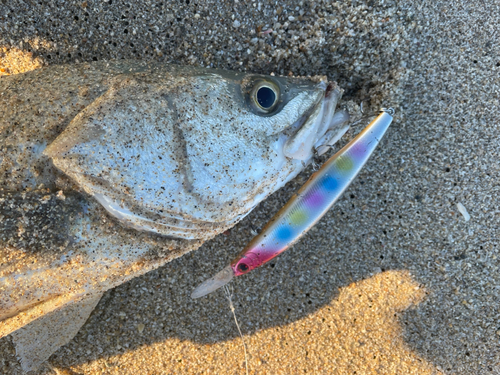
(393, 280)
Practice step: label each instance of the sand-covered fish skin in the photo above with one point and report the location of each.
(186, 153)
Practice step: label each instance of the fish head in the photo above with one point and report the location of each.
(187, 153)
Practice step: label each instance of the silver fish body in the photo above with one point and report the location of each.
(109, 170)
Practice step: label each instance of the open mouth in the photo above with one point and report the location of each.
(320, 122)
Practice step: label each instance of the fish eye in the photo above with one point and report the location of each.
(265, 95)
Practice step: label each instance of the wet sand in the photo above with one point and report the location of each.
(393, 280)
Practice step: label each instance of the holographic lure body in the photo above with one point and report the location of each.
(306, 207)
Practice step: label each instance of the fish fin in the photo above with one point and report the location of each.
(38, 340)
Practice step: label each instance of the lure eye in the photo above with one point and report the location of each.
(242, 267)
(265, 95)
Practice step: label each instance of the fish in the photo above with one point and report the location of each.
(109, 170)
(306, 207)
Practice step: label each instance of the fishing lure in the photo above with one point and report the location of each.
(306, 207)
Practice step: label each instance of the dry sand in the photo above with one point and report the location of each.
(393, 280)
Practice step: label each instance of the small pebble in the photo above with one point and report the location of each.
(463, 211)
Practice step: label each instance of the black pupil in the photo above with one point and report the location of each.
(266, 97)
(242, 267)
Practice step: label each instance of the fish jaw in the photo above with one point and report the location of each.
(300, 146)
(339, 125)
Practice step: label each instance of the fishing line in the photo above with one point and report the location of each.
(229, 298)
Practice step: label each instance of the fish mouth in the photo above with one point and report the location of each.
(313, 126)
